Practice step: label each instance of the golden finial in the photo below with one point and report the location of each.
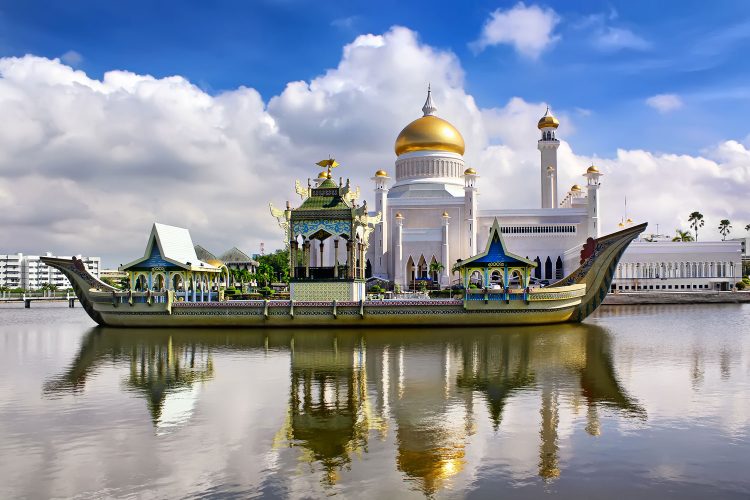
(329, 163)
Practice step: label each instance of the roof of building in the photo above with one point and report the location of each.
(204, 254)
(236, 256)
(169, 245)
(429, 133)
(548, 120)
(496, 252)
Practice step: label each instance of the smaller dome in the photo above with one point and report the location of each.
(445, 214)
(470, 171)
(323, 175)
(621, 224)
(548, 120)
(629, 221)
(575, 189)
(381, 173)
(592, 170)
(399, 216)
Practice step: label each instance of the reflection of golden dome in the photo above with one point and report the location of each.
(548, 120)
(381, 173)
(592, 170)
(429, 133)
(215, 262)
(470, 171)
(576, 188)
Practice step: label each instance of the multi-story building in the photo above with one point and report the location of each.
(657, 264)
(30, 273)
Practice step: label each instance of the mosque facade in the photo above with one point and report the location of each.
(431, 217)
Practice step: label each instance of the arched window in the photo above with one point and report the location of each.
(538, 268)
(559, 269)
(548, 268)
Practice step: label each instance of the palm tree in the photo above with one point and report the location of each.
(724, 228)
(683, 236)
(696, 221)
(436, 268)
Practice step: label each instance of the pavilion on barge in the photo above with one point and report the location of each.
(170, 264)
(327, 237)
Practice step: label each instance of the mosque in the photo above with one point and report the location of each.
(431, 217)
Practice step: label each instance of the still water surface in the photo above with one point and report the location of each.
(649, 401)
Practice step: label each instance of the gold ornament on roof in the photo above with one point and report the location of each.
(470, 171)
(323, 175)
(381, 173)
(576, 188)
(329, 164)
(592, 170)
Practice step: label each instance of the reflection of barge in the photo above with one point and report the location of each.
(571, 299)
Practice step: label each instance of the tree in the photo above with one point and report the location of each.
(279, 263)
(724, 228)
(696, 221)
(747, 228)
(436, 268)
(683, 236)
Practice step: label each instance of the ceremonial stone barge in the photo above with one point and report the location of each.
(170, 286)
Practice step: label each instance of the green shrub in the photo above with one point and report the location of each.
(473, 286)
(376, 289)
(741, 285)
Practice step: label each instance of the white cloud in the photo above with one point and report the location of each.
(530, 30)
(72, 58)
(664, 103)
(611, 39)
(87, 165)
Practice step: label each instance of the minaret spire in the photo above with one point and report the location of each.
(429, 107)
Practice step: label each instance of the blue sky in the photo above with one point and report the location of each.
(148, 108)
(694, 49)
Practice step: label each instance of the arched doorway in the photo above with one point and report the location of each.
(538, 268)
(548, 268)
(559, 269)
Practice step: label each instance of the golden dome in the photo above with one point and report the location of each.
(576, 188)
(445, 214)
(592, 170)
(323, 175)
(429, 133)
(470, 171)
(381, 173)
(629, 221)
(399, 216)
(548, 120)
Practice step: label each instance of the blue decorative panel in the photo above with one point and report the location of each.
(334, 227)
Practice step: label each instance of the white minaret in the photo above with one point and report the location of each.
(548, 145)
(592, 184)
(445, 275)
(379, 247)
(398, 258)
(470, 208)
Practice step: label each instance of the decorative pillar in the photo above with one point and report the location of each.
(306, 257)
(293, 245)
(446, 274)
(336, 258)
(399, 257)
(320, 263)
(349, 259)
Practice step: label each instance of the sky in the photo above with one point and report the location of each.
(198, 114)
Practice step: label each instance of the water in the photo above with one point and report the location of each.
(647, 401)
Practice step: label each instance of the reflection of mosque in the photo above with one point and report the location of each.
(426, 389)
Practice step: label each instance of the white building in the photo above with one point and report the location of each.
(30, 273)
(679, 266)
(430, 210)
